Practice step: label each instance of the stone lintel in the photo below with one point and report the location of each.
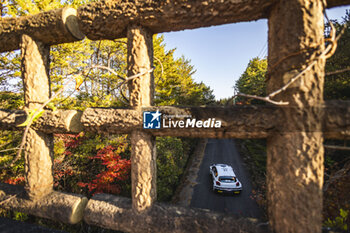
(50, 27)
(237, 122)
(110, 19)
(67, 208)
(116, 213)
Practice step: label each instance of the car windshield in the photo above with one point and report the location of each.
(227, 179)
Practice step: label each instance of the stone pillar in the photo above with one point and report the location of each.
(38, 148)
(141, 89)
(295, 155)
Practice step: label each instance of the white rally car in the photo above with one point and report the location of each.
(224, 179)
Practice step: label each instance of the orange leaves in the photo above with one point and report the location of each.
(95, 163)
(117, 169)
(16, 181)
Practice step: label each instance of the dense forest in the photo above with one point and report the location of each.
(336, 208)
(86, 163)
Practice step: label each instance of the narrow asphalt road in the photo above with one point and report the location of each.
(224, 151)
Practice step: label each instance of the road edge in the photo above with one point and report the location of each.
(183, 193)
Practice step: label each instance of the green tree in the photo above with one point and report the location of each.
(73, 153)
(170, 164)
(173, 80)
(175, 86)
(173, 76)
(252, 81)
(10, 61)
(94, 60)
(10, 140)
(337, 86)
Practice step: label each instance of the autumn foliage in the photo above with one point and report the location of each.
(86, 164)
(17, 180)
(91, 164)
(117, 169)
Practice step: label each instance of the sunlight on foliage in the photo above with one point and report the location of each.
(252, 81)
(340, 221)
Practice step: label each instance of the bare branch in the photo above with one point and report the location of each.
(11, 149)
(326, 53)
(120, 87)
(19, 152)
(5, 144)
(9, 198)
(98, 51)
(266, 99)
(292, 80)
(337, 71)
(139, 74)
(109, 69)
(161, 65)
(336, 39)
(125, 99)
(332, 147)
(120, 41)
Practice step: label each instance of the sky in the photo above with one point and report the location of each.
(220, 54)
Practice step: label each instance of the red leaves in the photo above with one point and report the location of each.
(117, 169)
(95, 163)
(18, 180)
(71, 140)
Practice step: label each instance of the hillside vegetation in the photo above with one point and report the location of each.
(85, 163)
(336, 208)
